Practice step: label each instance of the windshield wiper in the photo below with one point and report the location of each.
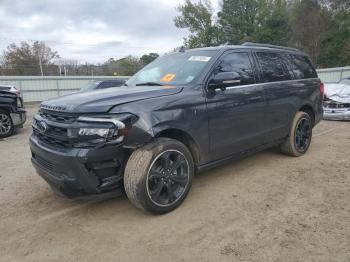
(149, 84)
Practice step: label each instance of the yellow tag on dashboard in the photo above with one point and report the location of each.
(167, 78)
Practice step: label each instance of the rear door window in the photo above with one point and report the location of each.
(240, 64)
(302, 67)
(272, 67)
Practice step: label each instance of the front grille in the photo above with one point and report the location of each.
(56, 133)
(337, 105)
(56, 142)
(58, 116)
(329, 103)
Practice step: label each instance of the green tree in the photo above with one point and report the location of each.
(126, 66)
(274, 28)
(198, 18)
(239, 19)
(310, 24)
(319, 27)
(146, 59)
(335, 48)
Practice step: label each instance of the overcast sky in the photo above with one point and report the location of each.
(93, 30)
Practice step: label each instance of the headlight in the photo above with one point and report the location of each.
(102, 132)
(99, 129)
(19, 102)
(115, 126)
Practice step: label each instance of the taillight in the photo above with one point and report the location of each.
(322, 90)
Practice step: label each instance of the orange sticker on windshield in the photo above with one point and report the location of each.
(167, 78)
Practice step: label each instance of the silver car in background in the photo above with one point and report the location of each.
(336, 105)
(10, 88)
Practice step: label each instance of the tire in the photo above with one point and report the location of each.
(6, 124)
(148, 182)
(293, 146)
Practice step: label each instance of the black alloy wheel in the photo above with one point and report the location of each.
(299, 139)
(6, 125)
(158, 176)
(167, 178)
(303, 134)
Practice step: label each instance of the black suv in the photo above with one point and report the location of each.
(183, 113)
(12, 113)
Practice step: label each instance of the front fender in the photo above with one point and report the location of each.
(7, 107)
(185, 111)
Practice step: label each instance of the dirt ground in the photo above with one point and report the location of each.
(268, 207)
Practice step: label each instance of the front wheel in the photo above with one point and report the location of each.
(300, 135)
(159, 175)
(6, 124)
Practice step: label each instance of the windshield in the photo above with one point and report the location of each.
(345, 82)
(175, 69)
(90, 86)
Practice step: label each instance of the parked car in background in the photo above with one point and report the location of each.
(336, 105)
(11, 89)
(12, 113)
(185, 112)
(95, 84)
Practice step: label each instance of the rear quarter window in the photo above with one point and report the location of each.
(272, 67)
(301, 67)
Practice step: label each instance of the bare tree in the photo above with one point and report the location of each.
(310, 24)
(26, 59)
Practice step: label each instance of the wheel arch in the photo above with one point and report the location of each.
(184, 138)
(309, 110)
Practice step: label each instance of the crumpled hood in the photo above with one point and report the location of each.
(338, 92)
(101, 101)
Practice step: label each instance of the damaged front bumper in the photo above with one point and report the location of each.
(336, 105)
(80, 173)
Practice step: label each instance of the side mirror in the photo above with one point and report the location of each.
(225, 79)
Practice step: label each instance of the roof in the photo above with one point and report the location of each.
(249, 46)
(1, 85)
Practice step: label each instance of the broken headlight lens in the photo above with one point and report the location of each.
(102, 132)
(101, 128)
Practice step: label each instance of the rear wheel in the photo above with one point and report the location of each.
(6, 125)
(300, 135)
(158, 176)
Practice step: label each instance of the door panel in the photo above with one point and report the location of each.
(236, 119)
(280, 98)
(236, 115)
(279, 94)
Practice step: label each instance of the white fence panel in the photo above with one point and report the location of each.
(333, 75)
(37, 88)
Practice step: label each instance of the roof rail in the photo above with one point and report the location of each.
(270, 46)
